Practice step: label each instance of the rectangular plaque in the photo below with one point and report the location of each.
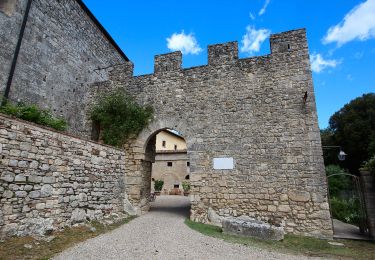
(226, 163)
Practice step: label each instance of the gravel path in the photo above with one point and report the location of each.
(162, 234)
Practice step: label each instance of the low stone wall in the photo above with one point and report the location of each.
(50, 180)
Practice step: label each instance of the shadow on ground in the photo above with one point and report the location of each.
(175, 205)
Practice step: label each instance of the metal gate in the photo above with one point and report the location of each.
(357, 194)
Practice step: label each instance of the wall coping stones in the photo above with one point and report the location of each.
(45, 128)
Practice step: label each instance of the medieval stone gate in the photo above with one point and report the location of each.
(251, 130)
(250, 124)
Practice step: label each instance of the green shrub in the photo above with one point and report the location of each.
(369, 165)
(186, 186)
(337, 183)
(158, 185)
(119, 117)
(346, 210)
(34, 114)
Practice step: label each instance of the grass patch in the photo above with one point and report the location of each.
(295, 244)
(14, 248)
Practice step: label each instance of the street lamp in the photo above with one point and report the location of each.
(341, 156)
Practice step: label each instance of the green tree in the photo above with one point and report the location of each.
(353, 128)
(119, 117)
(338, 181)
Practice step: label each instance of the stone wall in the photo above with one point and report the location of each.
(63, 50)
(49, 180)
(252, 110)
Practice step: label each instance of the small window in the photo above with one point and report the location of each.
(163, 144)
(188, 164)
(288, 47)
(153, 179)
(176, 186)
(169, 164)
(187, 177)
(175, 147)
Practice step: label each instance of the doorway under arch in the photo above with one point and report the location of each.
(143, 154)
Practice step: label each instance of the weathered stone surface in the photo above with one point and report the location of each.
(21, 194)
(129, 208)
(8, 177)
(35, 179)
(36, 226)
(8, 194)
(42, 196)
(214, 218)
(67, 58)
(47, 190)
(301, 196)
(248, 227)
(251, 110)
(20, 178)
(284, 208)
(34, 194)
(40, 206)
(49, 179)
(78, 215)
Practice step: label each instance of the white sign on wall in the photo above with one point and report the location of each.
(226, 163)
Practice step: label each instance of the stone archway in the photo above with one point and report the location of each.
(140, 154)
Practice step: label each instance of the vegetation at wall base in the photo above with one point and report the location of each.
(186, 186)
(158, 185)
(34, 114)
(293, 244)
(119, 117)
(345, 204)
(19, 247)
(369, 165)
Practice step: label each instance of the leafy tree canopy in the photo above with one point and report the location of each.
(352, 128)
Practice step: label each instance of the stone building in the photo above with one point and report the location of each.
(251, 129)
(171, 164)
(64, 48)
(250, 125)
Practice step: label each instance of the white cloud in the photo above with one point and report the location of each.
(251, 15)
(263, 10)
(253, 38)
(186, 43)
(318, 63)
(349, 77)
(358, 24)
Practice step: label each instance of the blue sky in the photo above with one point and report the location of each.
(341, 36)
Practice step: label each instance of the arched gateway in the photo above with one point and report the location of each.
(251, 130)
(140, 156)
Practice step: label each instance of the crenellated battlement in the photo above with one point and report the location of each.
(168, 62)
(224, 54)
(288, 41)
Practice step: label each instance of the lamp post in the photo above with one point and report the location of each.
(341, 155)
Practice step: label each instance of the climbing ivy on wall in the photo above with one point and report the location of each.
(119, 117)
